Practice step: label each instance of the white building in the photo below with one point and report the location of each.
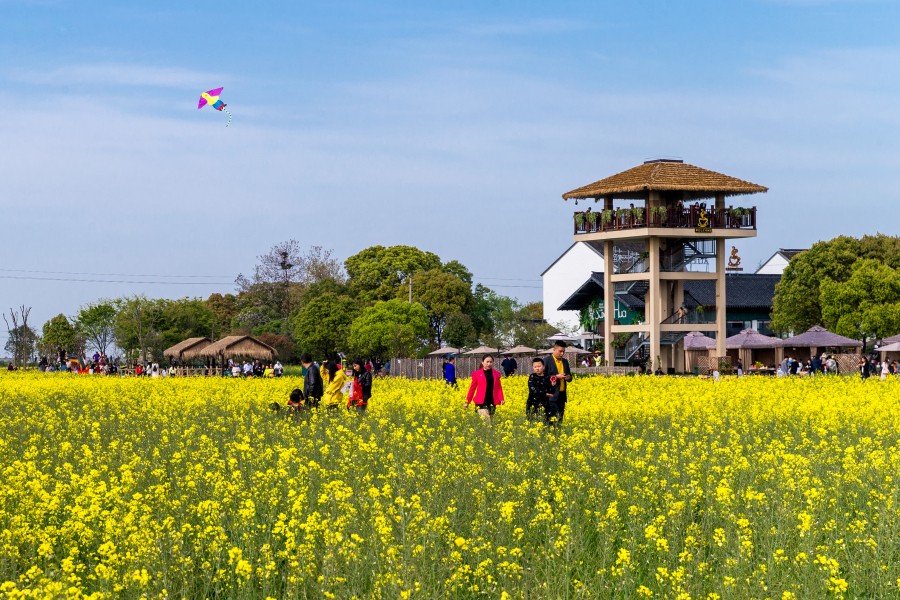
(564, 277)
(778, 261)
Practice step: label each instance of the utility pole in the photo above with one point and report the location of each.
(410, 289)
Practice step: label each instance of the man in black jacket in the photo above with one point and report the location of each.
(557, 368)
(312, 381)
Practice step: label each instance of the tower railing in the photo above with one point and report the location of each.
(673, 217)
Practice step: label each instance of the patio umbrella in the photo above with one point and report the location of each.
(750, 339)
(561, 336)
(577, 350)
(696, 340)
(444, 351)
(481, 350)
(819, 337)
(520, 350)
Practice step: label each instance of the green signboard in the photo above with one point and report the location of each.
(594, 313)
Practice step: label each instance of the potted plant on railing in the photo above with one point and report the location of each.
(661, 213)
(606, 216)
(638, 214)
(592, 219)
(579, 221)
(621, 339)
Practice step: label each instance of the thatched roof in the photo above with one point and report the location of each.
(666, 176)
(189, 348)
(750, 339)
(819, 337)
(239, 346)
(892, 347)
(696, 340)
(891, 340)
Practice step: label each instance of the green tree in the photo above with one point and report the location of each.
(137, 327)
(866, 304)
(391, 328)
(58, 333)
(530, 328)
(224, 309)
(442, 294)
(184, 318)
(498, 316)
(322, 325)
(796, 306)
(454, 267)
(459, 331)
(377, 272)
(96, 322)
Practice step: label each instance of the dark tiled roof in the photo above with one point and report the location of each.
(742, 292)
(790, 253)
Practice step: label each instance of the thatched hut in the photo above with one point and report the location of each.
(239, 346)
(186, 350)
(814, 339)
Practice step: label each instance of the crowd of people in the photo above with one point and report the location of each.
(327, 385)
(547, 394)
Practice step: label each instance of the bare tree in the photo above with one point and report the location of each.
(22, 338)
(285, 266)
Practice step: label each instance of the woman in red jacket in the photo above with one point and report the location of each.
(486, 389)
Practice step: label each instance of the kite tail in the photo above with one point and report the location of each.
(229, 116)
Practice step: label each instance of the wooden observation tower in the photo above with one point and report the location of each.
(658, 226)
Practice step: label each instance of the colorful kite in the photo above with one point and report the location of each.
(212, 97)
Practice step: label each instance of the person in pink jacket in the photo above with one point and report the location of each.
(486, 390)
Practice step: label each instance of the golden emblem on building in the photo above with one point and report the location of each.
(703, 221)
(734, 261)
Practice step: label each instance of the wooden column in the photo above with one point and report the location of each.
(608, 302)
(720, 296)
(654, 300)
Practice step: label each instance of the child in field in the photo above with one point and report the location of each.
(334, 395)
(539, 390)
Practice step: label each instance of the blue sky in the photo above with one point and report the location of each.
(452, 126)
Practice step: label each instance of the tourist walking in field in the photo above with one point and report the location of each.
(539, 392)
(334, 395)
(486, 390)
(557, 368)
(312, 381)
(450, 372)
(361, 390)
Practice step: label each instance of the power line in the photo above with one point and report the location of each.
(117, 280)
(112, 274)
(506, 278)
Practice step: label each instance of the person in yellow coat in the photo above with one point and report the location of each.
(333, 396)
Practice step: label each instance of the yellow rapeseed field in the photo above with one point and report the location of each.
(652, 488)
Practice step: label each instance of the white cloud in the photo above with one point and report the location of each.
(529, 27)
(119, 74)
